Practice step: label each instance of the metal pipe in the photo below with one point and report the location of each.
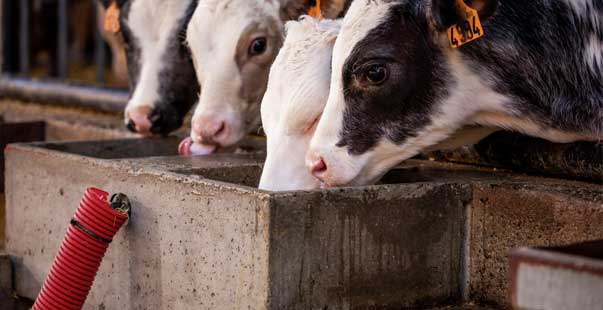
(1, 36)
(24, 66)
(62, 36)
(99, 46)
(60, 93)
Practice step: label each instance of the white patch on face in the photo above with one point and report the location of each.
(593, 49)
(593, 54)
(295, 98)
(361, 18)
(585, 8)
(213, 36)
(152, 23)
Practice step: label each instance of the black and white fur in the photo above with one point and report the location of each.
(538, 70)
(161, 73)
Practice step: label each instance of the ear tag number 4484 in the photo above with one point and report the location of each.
(467, 31)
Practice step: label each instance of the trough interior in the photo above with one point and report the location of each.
(119, 149)
(409, 172)
(417, 172)
(247, 175)
(593, 249)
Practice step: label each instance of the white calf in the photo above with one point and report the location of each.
(233, 43)
(297, 92)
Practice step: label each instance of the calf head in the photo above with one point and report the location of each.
(392, 93)
(295, 98)
(161, 74)
(234, 43)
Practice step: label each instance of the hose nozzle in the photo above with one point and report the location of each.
(120, 203)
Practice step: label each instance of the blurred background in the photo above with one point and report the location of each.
(63, 40)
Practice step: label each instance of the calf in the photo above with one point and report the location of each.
(398, 87)
(233, 43)
(161, 74)
(297, 92)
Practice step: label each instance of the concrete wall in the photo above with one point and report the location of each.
(201, 236)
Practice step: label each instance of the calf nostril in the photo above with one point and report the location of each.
(131, 126)
(318, 167)
(221, 129)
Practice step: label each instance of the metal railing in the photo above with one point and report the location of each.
(21, 78)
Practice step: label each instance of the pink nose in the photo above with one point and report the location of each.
(138, 120)
(317, 165)
(210, 130)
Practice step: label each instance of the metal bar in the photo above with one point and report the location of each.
(24, 66)
(60, 93)
(1, 36)
(99, 46)
(62, 36)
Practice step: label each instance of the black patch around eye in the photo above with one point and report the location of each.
(408, 80)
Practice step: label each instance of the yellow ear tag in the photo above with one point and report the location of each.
(315, 11)
(471, 29)
(111, 23)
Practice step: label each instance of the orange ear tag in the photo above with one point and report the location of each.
(315, 11)
(111, 23)
(471, 29)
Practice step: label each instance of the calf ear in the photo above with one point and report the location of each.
(111, 22)
(293, 9)
(446, 13)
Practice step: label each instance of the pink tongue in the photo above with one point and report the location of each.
(202, 149)
(188, 147)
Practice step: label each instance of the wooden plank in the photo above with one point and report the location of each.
(557, 278)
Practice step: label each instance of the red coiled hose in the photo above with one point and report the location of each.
(92, 228)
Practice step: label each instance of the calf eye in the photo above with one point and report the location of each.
(376, 74)
(258, 46)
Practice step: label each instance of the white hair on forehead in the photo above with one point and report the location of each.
(304, 61)
(219, 6)
(311, 30)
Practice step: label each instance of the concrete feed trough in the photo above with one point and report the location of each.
(202, 236)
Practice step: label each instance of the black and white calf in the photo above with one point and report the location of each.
(161, 73)
(297, 93)
(234, 43)
(398, 87)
